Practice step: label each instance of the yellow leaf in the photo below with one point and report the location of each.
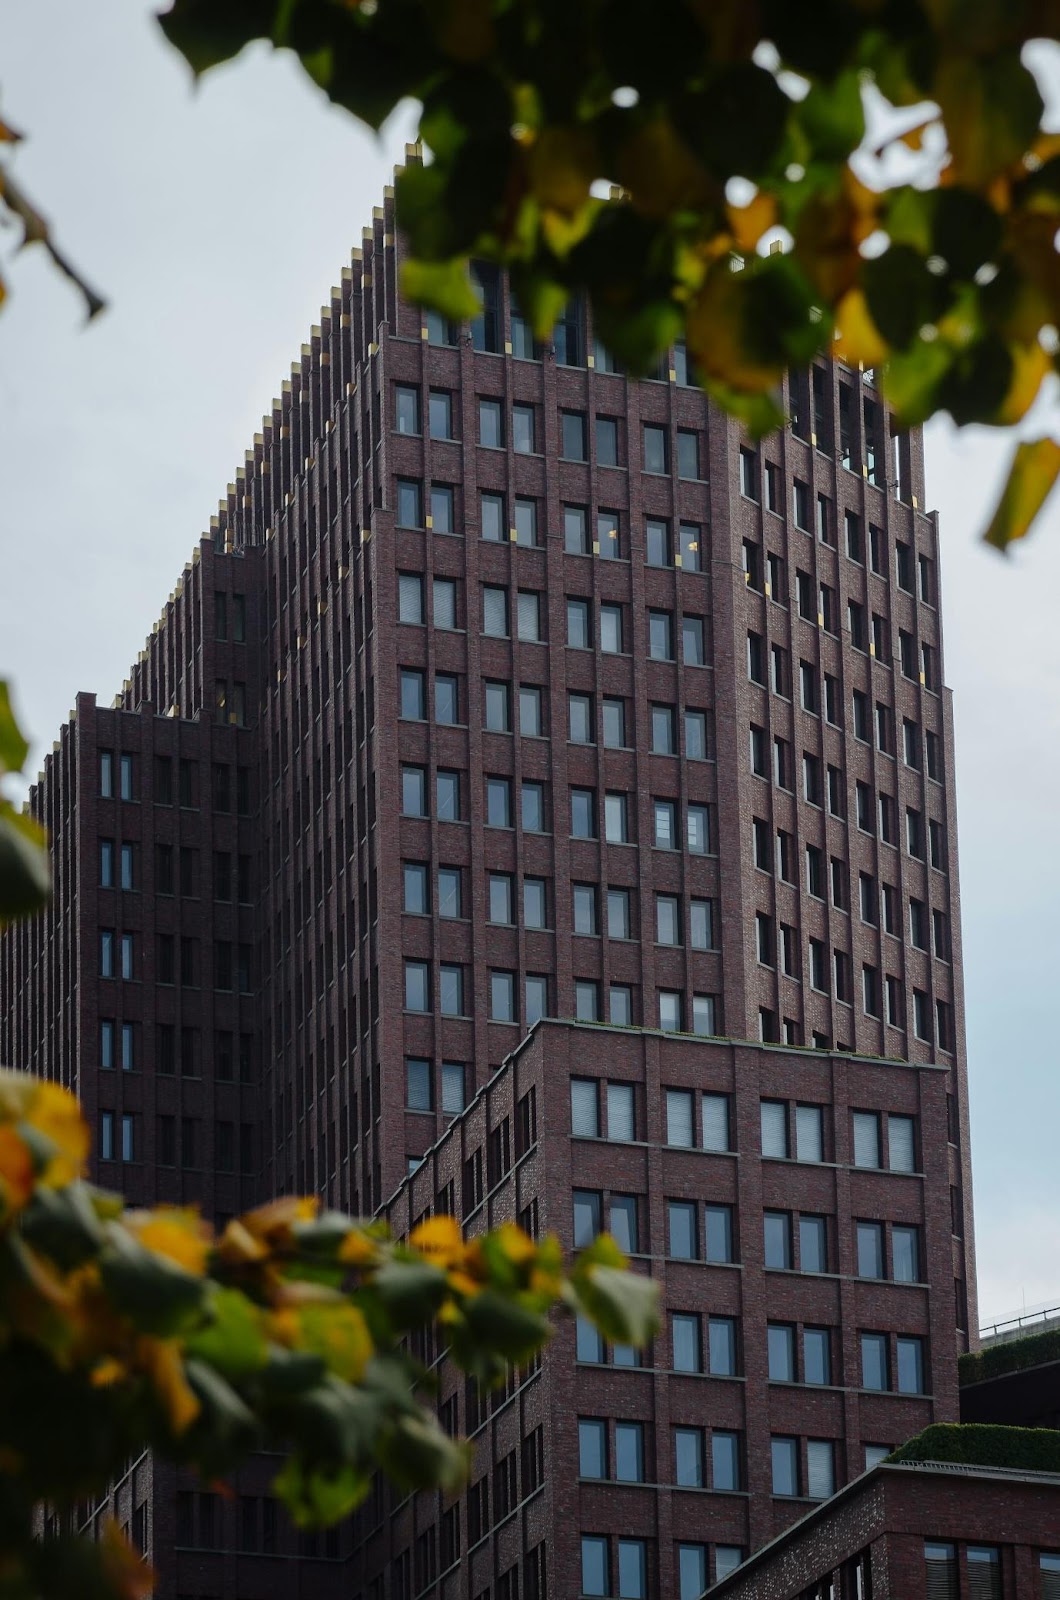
(1034, 471)
(661, 174)
(177, 1233)
(517, 1245)
(857, 337)
(438, 1238)
(55, 1113)
(109, 1370)
(238, 1244)
(273, 1222)
(465, 29)
(340, 1335)
(717, 335)
(358, 1249)
(462, 1283)
(1029, 366)
(750, 222)
(16, 1168)
(160, 1359)
(126, 1575)
(560, 165)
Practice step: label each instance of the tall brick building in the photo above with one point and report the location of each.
(506, 691)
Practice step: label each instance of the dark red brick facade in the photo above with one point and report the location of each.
(914, 1532)
(703, 786)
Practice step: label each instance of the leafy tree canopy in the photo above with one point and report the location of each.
(124, 1330)
(650, 155)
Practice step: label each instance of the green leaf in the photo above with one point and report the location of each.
(901, 293)
(25, 870)
(291, 1372)
(1032, 475)
(419, 1455)
(159, 1297)
(912, 378)
(966, 230)
(226, 1427)
(233, 1342)
(832, 117)
(13, 747)
(334, 1422)
(409, 1291)
(992, 109)
(446, 286)
(316, 1498)
(759, 413)
(977, 380)
(207, 32)
(504, 1327)
(62, 1225)
(623, 1305)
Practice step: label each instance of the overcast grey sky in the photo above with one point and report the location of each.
(215, 221)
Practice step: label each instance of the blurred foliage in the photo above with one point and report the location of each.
(25, 870)
(650, 155)
(124, 1330)
(18, 209)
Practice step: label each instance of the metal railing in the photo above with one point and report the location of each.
(1027, 1321)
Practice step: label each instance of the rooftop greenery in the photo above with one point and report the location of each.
(975, 1444)
(1016, 1355)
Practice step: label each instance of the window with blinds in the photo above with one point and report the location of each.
(941, 1563)
(809, 1133)
(866, 1139)
(716, 1122)
(984, 1572)
(1049, 1566)
(680, 1119)
(774, 1115)
(494, 611)
(585, 1107)
(901, 1144)
(620, 1113)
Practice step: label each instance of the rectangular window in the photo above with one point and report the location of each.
(529, 615)
(780, 1345)
(658, 550)
(583, 813)
(532, 803)
(581, 721)
(498, 802)
(409, 503)
(417, 1084)
(526, 523)
(523, 433)
(502, 996)
(718, 1232)
(616, 818)
(813, 1244)
(656, 448)
(817, 1356)
(748, 473)
(909, 1359)
(447, 712)
(497, 707)
(687, 453)
(490, 423)
(531, 721)
(573, 436)
(785, 1461)
(870, 1250)
(688, 1458)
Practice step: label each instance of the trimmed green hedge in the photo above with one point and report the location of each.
(980, 1444)
(1014, 1356)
